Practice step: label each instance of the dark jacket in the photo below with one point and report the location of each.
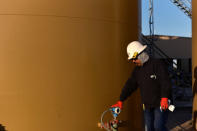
(152, 79)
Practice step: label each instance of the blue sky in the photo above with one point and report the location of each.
(168, 19)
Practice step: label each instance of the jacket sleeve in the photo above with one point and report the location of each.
(164, 80)
(129, 87)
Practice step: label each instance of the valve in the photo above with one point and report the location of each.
(113, 124)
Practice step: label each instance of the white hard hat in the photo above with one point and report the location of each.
(134, 49)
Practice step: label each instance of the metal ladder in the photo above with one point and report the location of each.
(184, 5)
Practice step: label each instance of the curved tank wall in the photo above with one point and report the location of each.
(194, 60)
(63, 63)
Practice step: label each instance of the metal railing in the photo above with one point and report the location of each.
(177, 73)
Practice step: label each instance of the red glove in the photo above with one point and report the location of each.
(118, 104)
(164, 103)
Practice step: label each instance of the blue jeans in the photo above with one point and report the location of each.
(155, 120)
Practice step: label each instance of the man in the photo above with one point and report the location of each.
(151, 76)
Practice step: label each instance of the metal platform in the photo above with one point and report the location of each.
(180, 119)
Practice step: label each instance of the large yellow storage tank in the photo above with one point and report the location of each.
(63, 62)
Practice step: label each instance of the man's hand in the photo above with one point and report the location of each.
(118, 104)
(164, 103)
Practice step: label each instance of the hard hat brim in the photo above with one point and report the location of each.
(140, 51)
